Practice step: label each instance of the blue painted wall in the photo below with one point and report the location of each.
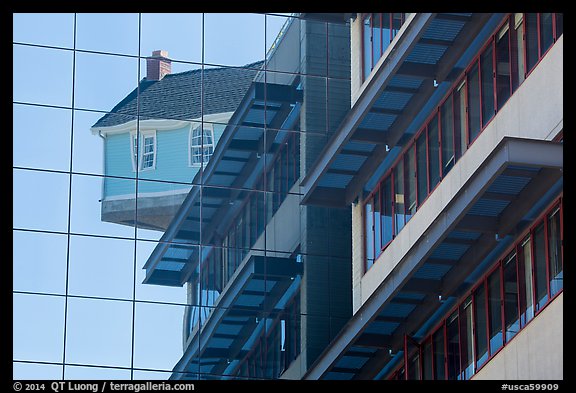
(172, 163)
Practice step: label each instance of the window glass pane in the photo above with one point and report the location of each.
(119, 36)
(399, 206)
(559, 24)
(38, 327)
(546, 33)
(397, 21)
(379, 222)
(387, 31)
(511, 297)
(447, 119)
(36, 371)
(460, 120)
(376, 38)
(41, 137)
(369, 233)
(503, 77)
(91, 342)
(433, 153)
(531, 40)
(95, 373)
(517, 55)
(410, 182)
(41, 268)
(495, 311)
(234, 39)
(526, 280)
(50, 212)
(540, 267)
(422, 167)
(42, 75)
(467, 340)
(439, 370)
(555, 253)
(387, 210)
(414, 367)
(427, 360)
(486, 62)
(480, 325)
(453, 345)
(50, 29)
(367, 43)
(473, 104)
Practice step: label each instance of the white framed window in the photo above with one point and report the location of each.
(201, 144)
(143, 150)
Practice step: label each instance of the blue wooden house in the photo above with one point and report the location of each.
(164, 138)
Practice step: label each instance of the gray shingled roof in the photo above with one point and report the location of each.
(178, 96)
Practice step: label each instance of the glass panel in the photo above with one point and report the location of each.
(540, 267)
(377, 34)
(49, 29)
(379, 221)
(531, 40)
(39, 262)
(36, 371)
(433, 153)
(439, 366)
(159, 30)
(526, 280)
(460, 120)
(480, 325)
(160, 293)
(369, 232)
(447, 124)
(486, 62)
(495, 311)
(473, 103)
(397, 21)
(41, 137)
(93, 214)
(95, 373)
(555, 253)
(286, 56)
(453, 345)
(91, 342)
(410, 173)
(34, 340)
(29, 211)
(511, 305)
(559, 24)
(234, 39)
(42, 75)
(102, 267)
(367, 44)
(157, 335)
(467, 339)
(399, 207)
(387, 31)
(517, 55)
(102, 81)
(119, 36)
(503, 66)
(414, 367)
(546, 33)
(427, 360)
(422, 167)
(387, 211)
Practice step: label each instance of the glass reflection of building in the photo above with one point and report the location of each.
(266, 277)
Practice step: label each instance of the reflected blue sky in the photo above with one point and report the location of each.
(71, 90)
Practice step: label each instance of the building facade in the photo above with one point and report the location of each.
(456, 201)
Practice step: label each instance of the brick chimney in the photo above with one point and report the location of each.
(158, 65)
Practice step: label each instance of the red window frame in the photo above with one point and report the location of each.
(498, 266)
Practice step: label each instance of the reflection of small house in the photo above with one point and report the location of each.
(167, 140)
